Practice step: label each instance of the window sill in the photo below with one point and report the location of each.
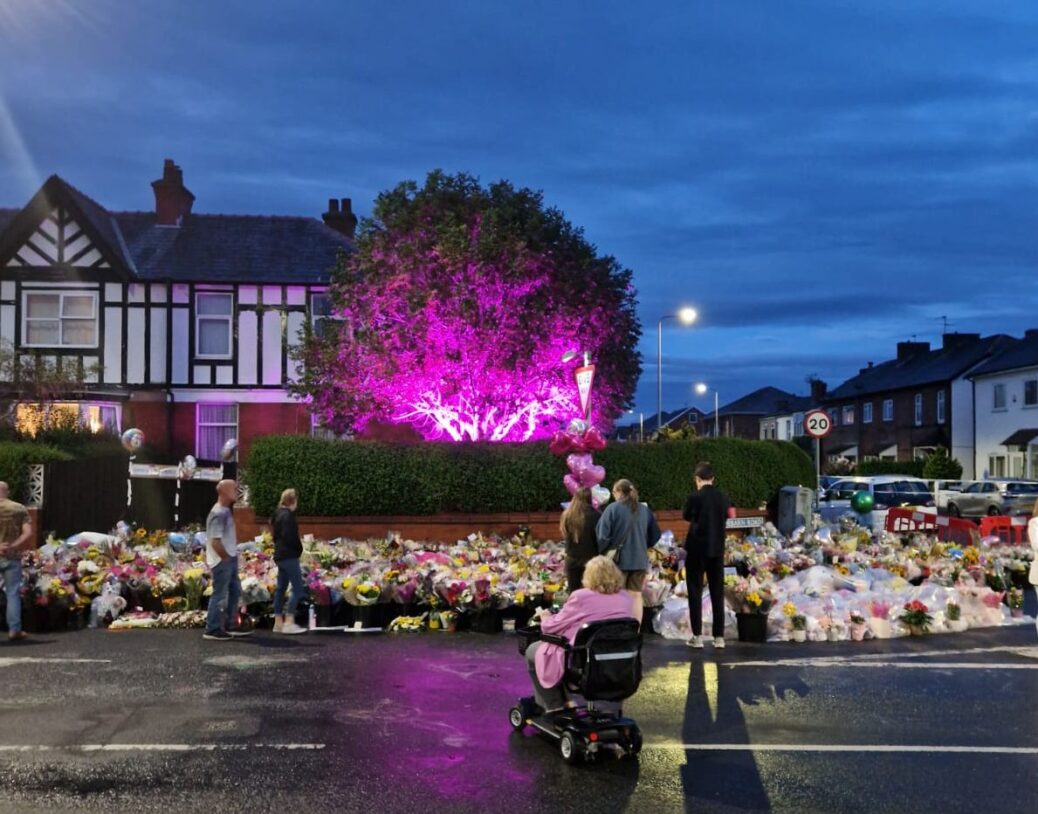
(58, 347)
(226, 358)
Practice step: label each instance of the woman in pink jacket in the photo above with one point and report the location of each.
(602, 597)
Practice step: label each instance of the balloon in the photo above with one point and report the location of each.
(578, 426)
(188, 467)
(229, 449)
(560, 443)
(731, 513)
(862, 501)
(600, 495)
(571, 484)
(577, 462)
(594, 440)
(132, 440)
(591, 475)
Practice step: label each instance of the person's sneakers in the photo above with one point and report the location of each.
(279, 623)
(696, 642)
(292, 629)
(20, 636)
(217, 636)
(718, 643)
(239, 633)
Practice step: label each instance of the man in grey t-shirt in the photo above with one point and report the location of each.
(221, 554)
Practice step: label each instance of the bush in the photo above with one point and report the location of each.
(910, 468)
(939, 466)
(358, 478)
(15, 457)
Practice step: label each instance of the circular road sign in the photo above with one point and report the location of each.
(817, 424)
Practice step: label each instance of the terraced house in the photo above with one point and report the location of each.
(178, 323)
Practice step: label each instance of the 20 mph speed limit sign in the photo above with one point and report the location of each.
(817, 424)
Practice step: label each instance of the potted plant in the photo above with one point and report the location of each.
(799, 622)
(752, 620)
(953, 616)
(858, 626)
(916, 617)
(1015, 600)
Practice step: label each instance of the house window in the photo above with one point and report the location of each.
(888, 409)
(798, 425)
(998, 400)
(320, 311)
(918, 409)
(833, 416)
(214, 319)
(789, 429)
(940, 406)
(1031, 393)
(996, 466)
(65, 319)
(866, 413)
(30, 418)
(848, 415)
(216, 425)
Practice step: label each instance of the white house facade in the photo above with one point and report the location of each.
(180, 324)
(1005, 393)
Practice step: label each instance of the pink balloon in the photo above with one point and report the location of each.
(578, 462)
(560, 443)
(591, 475)
(594, 440)
(571, 484)
(731, 512)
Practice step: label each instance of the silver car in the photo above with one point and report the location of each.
(993, 497)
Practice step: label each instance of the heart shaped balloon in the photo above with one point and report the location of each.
(560, 443)
(594, 440)
(571, 484)
(591, 475)
(577, 462)
(600, 496)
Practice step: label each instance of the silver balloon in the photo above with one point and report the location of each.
(578, 426)
(230, 449)
(132, 439)
(188, 467)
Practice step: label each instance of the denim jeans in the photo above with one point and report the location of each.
(12, 573)
(288, 572)
(223, 604)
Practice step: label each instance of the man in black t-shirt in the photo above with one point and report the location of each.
(707, 512)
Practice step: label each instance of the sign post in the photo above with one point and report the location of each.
(818, 425)
(585, 377)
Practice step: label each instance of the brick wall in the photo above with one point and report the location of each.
(258, 420)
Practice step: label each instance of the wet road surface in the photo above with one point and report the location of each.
(162, 720)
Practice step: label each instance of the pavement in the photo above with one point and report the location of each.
(161, 720)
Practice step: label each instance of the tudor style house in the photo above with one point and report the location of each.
(904, 408)
(178, 323)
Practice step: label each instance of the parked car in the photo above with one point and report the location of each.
(888, 492)
(991, 497)
(825, 481)
(945, 490)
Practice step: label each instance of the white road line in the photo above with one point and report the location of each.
(843, 747)
(899, 665)
(163, 747)
(16, 660)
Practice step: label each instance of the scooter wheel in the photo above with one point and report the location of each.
(516, 718)
(635, 745)
(569, 748)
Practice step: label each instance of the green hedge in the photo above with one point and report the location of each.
(911, 468)
(356, 478)
(15, 457)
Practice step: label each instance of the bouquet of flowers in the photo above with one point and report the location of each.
(917, 616)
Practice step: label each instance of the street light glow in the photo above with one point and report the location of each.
(687, 315)
(701, 388)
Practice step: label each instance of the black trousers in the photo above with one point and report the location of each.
(575, 573)
(696, 566)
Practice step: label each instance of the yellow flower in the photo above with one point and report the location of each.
(754, 599)
(789, 609)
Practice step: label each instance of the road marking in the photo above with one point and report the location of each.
(13, 661)
(898, 665)
(163, 747)
(843, 747)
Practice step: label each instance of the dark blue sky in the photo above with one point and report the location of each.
(820, 179)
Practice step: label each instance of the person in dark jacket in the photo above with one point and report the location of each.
(706, 510)
(578, 530)
(629, 526)
(287, 550)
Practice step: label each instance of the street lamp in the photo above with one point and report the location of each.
(701, 389)
(686, 316)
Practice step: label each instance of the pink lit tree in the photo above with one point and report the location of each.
(454, 312)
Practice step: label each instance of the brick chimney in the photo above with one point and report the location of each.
(340, 218)
(957, 340)
(906, 350)
(172, 199)
(818, 390)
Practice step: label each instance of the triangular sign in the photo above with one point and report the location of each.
(585, 377)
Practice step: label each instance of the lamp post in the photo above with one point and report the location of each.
(701, 388)
(686, 316)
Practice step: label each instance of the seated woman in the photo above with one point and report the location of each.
(601, 598)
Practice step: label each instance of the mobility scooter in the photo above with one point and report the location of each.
(602, 665)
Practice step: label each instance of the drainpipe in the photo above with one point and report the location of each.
(170, 402)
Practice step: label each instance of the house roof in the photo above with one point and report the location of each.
(205, 248)
(766, 401)
(925, 367)
(1018, 354)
